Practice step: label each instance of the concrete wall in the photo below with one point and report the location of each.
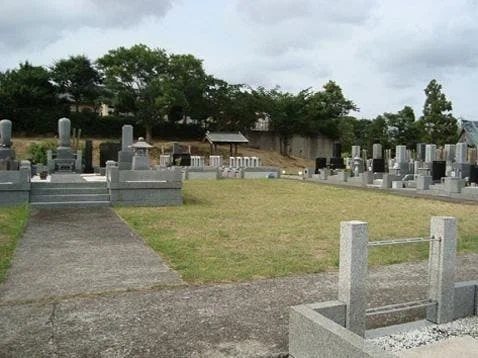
(299, 146)
(312, 334)
(161, 187)
(466, 301)
(201, 174)
(14, 186)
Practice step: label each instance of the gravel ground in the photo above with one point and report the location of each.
(430, 334)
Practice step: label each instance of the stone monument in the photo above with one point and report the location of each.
(7, 154)
(125, 155)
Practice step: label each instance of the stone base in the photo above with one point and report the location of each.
(424, 182)
(125, 160)
(462, 170)
(140, 163)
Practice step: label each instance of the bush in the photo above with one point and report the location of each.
(37, 151)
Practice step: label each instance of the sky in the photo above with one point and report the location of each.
(382, 53)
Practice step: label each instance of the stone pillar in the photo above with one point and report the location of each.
(89, 156)
(353, 273)
(400, 154)
(421, 151)
(125, 155)
(450, 152)
(461, 153)
(356, 151)
(442, 264)
(430, 153)
(377, 151)
(5, 133)
(64, 130)
(126, 137)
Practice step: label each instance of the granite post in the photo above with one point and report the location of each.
(442, 263)
(353, 273)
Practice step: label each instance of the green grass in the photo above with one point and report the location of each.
(234, 230)
(12, 223)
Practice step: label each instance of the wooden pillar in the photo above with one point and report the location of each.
(230, 150)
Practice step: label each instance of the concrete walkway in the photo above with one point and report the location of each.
(83, 285)
(66, 252)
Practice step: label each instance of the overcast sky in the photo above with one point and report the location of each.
(382, 53)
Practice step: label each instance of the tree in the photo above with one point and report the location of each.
(325, 108)
(28, 98)
(439, 124)
(402, 128)
(139, 80)
(77, 78)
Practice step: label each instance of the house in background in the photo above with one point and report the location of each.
(469, 133)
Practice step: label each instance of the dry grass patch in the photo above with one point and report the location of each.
(232, 230)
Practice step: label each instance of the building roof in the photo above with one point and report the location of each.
(223, 137)
(471, 131)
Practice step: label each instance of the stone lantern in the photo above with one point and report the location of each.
(140, 154)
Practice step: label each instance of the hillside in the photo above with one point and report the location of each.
(289, 164)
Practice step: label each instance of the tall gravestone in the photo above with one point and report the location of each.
(65, 160)
(401, 159)
(462, 166)
(125, 155)
(336, 161)
(6, 152)
(378, 163)
(89, 156)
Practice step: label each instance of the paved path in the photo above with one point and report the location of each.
(67, 252)
(95, 290)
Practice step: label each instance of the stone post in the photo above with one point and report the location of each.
(442, 263)
(430, 153)
(126, 137)
(64, 130)
(353, 273)
(5, 133)
(355, 151)
(377, 151)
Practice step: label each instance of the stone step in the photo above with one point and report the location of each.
(66, 191)
(41, 185)
(35, 198)
(70, 204)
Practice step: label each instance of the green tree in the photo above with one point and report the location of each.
(138, 79)
(325, 108)
(28, 98)
(402, 128)
(77, 78)
(439, 124)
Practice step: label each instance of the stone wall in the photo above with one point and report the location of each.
(299, 146)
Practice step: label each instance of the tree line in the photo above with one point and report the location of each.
(154, 87)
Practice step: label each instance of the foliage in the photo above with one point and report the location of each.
(28, 98)
(439, 124)
(77, 79)
(12, 224)
(37, 151)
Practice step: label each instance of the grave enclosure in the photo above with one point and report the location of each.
(125, 175)
(338, 328)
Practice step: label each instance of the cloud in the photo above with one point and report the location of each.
(38, 23)
(410, 44)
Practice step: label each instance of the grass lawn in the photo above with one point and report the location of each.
(233, 230)
(12, 223)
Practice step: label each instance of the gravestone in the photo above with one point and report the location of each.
(125, 155)
(65, 159)
(109, 151)
(320, 163)
(421, 151)
(462, 167)
(377, 151)
(438, 170)
(336, 163)
(6, 152)
(182, 159)
(378, 165)
(88, 156)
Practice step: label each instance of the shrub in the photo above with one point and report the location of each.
(37, 151)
